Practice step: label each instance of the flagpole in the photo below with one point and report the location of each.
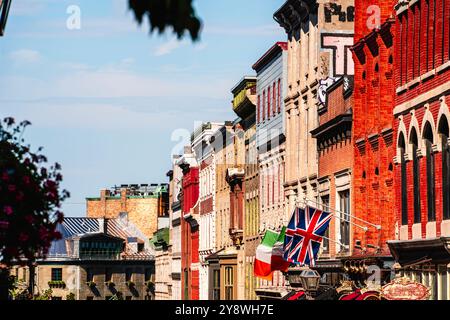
(340, 218)
(378, 227)
(335, 241)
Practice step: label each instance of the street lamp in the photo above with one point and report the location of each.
(310, 279)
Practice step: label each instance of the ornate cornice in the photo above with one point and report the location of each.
(293, 12)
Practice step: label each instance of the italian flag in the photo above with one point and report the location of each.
(269, 255)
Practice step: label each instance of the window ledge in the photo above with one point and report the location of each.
(443, 67)
(428, 75)
(401, 89)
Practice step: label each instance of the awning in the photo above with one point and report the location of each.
(362, 295)
(413, 252)
(299, 295)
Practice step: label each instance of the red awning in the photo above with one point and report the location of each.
(297, 295)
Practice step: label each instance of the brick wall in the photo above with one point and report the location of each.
(143, 212)
(372, 121)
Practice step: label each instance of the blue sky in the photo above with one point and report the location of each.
(111, 102)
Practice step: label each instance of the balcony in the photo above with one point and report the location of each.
(244, 97)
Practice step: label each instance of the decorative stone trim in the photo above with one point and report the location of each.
(443, 67)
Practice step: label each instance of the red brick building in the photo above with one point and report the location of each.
(422, 162)
(373, 128)
(335, 156)
(189, 227)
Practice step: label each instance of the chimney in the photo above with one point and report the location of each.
(123, 199)
(104, 193)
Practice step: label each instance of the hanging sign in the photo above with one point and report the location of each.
(405, 289)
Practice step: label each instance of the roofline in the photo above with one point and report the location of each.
(279, 46)
(242, 81)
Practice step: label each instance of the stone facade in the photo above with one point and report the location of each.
(75, 278)
(143, 204)
(319, 37)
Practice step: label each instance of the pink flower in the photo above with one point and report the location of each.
(29, 219)
(19, 196)
(4, 224)
(26, 180)
(5, 176)
(12, 187)
(8, 210)
(23, 237)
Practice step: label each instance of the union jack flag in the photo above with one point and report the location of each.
(304, 234)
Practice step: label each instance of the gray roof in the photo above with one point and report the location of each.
(78, 227)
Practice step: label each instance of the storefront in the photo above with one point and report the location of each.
(426, 261)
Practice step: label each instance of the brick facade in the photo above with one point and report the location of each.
(143, 211)
(374, 148)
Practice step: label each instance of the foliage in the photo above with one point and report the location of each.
(47, 295)
(117, 296)
(18, 289)
(70, 296)
(178, 14)
(30, 197)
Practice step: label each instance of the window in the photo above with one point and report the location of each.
(128, 298)
(416, 177)
(268, 102)
(108, 275)
(89, 298)
(279, 95)
(404, 186)
(344, 208)
(274, 101)
(216, 285)
(258, 119)
(229, 283)
(56, 274)
(186, 284)
(128, 274)
(444, 132)
(89, 275)
(149, 274)
(325, 207)
(263, 109)
(431, 200)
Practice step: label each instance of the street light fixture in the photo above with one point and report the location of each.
(310, 280)
(4, 10)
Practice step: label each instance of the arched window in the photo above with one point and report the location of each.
(431, 192)
(416, 175)
(404, 187)
(444, 133)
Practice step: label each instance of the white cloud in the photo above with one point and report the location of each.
(168, 47)
(25, 56)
